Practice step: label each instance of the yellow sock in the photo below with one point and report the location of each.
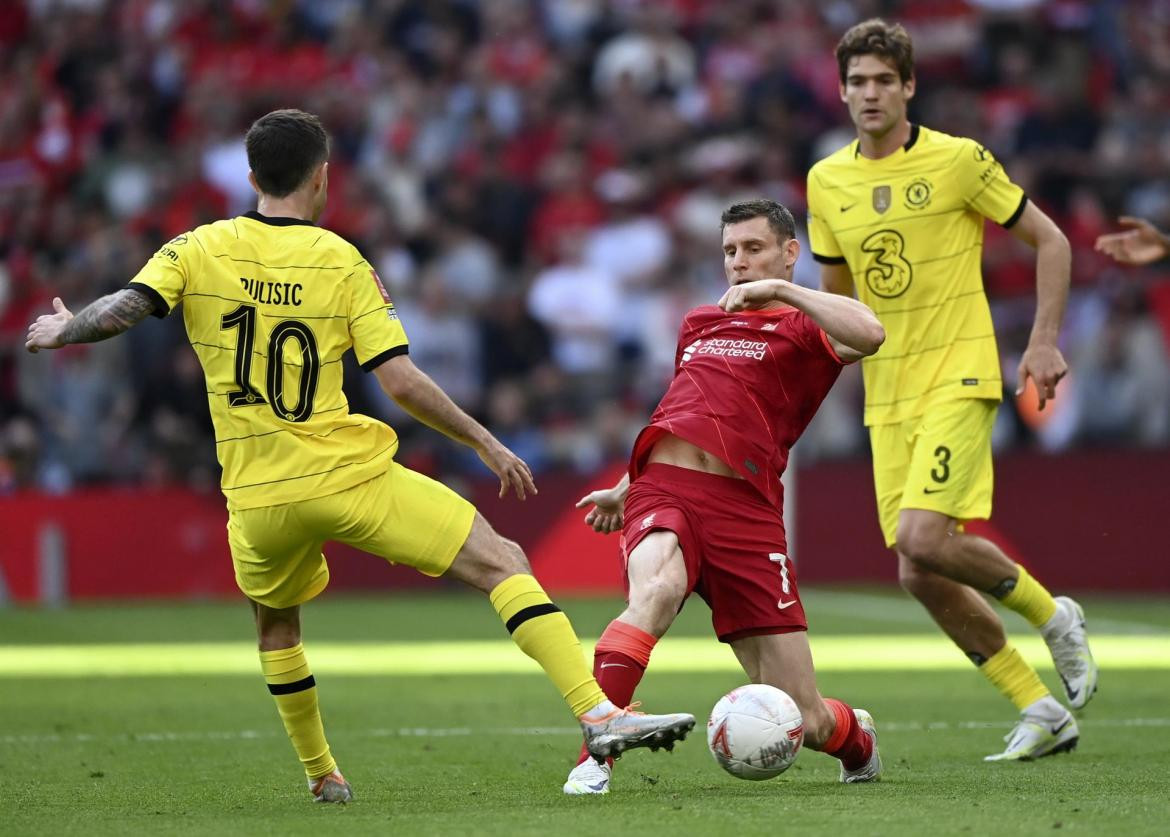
(543, 633)
(1029, 599)
(1018, 681)
(295, 691)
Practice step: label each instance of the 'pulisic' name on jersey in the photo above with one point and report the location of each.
(273, 293)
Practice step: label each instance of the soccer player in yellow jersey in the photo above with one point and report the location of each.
(897, 217)
(271, 303)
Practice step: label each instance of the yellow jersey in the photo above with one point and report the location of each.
(271, 305)
(910, 228)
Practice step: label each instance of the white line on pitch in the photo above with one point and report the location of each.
(462, 732)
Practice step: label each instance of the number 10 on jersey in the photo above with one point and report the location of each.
(243, 319)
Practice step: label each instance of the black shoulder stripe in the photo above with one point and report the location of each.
(161, 309)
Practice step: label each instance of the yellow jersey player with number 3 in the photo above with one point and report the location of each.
(271, 303)
(897, 217)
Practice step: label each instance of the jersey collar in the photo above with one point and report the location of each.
(914, 126)
(277, 221)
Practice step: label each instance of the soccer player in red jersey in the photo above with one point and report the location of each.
(700, 509)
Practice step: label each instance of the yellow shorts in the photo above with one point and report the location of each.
(401, 516)
(939, 461)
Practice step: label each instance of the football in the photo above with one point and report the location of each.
(755, 732)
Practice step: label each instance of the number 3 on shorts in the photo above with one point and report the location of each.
(943, 472)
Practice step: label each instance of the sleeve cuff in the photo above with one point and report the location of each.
(832, 352)
(161, 309)
(1010, 222)
(828, 259)
(380, 358)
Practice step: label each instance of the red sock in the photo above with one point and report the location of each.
(619, 661)
(849, 742)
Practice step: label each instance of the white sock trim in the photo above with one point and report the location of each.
(1046, 708)
(600, 710)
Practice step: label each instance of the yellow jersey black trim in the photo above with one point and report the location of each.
(905, 147)
(277, 221)
(161, 309)
(1010, 222)
(378, 359)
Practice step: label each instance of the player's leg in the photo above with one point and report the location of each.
(498, 567)
(293, 687)
(929, 542)
(962, 613)
(279, 566)
(657, 579)
(950, 479)
(657, 587)
(413, 520)
(832, 726)
(1045, 726)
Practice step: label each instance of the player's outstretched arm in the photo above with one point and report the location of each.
(854, 330)
(1142, 243)
(609, 507)
(106, 317)
(1042, 360)
(416, 393)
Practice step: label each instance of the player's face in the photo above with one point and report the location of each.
(752, 251)
(875, 94)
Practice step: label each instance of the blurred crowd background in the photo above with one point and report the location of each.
(539, 183)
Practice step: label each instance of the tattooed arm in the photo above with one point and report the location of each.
(107, 317)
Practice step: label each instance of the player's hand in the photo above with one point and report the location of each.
(514, 473)
(1141, 244)
(608, 512)
(1045, 365)
(749, 295)
(45, 333)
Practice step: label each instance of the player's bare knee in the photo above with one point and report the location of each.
(277, 628)
(656, 602)
(921, 546)
(913, 579)
(512, 558)
(500, 559)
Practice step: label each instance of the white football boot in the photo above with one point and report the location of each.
(589, 777)
(610, 731)
(331, 788)
(1070, 652)
(871, 771)
(1045, 728)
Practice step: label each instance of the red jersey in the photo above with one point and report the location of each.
(745, 387)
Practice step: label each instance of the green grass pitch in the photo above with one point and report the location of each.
(153, 719)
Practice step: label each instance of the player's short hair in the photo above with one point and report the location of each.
(888, 41)
(779, 218)
(284, 147)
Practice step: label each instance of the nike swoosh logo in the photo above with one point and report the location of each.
(1072, 693)
(783, 605)
(614, 665)
(847, 207)
(932, 490)
(597, 787)
(1056, 730)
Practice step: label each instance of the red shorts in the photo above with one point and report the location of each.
(733, 544)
